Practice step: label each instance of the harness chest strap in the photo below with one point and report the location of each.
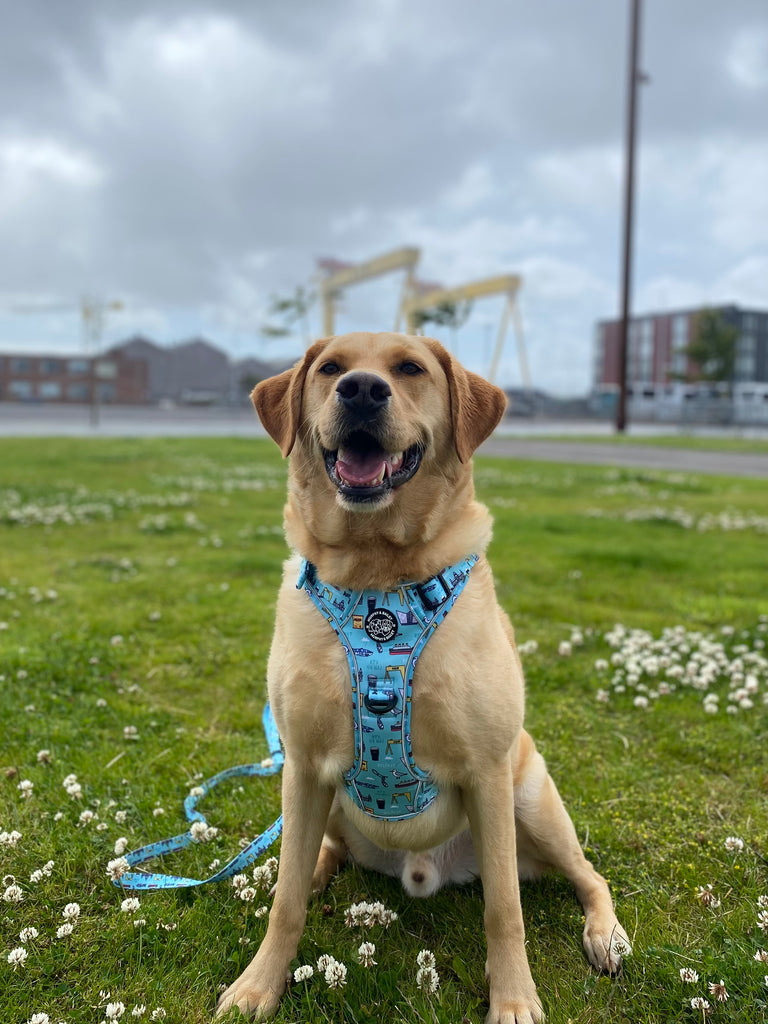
(382, 634)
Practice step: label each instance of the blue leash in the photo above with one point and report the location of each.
(147, 880)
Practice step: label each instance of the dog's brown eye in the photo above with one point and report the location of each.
(411, 369)
(329, 369)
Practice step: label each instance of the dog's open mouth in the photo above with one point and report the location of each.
(364, 471)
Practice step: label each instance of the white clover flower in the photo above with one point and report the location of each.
(303, 973)
(335, 974)
(427, 979)
(158, 1014)
(762, 902)
(733, 844)
(688, 975)
(706, 897)
(248, 894)
(121, 817)
(39, 1018)
(44, 757)
(121, 845)
(17, 957)
(87, 817)
(201, 832)
(71, 912)
(761, 956)
(10, 838)
(365, 954)
(157, 812)
(28, 935)
(117, 868)
(13, 894)
(718, 990)
(565, 648)
(322, 962)
(139, 1010)
(130, 732)
(64, 930)
(25, 787)
(114, 1011)
(426, 958)
(261, 912)
(762, 920)
(130, 905)
(699, 1003)
(262, 876)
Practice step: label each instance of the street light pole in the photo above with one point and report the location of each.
(629, 185)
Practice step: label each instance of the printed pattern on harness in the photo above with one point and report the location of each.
(383, 634)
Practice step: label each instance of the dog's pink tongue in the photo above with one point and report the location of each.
(360, 470)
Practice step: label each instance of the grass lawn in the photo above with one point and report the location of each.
(137, 589)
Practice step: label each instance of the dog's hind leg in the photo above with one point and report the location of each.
(333, 850)
(546, 837)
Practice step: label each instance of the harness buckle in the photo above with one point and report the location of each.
(379, 702)
(433, 601)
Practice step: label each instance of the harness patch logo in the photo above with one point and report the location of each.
(381, 625)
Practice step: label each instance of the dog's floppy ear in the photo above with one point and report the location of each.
(476, 405)
(277, 400)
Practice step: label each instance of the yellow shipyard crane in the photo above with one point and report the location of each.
(420, 300)
(338, 275)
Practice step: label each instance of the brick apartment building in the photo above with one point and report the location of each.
(657, 344)
(110, 378)
(136, 372)
(658, 365)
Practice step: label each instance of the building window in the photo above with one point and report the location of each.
(20, 365)
(49, 390)
(51, 367)
(78, 392)
(77, 367)
(106, 370)
(679, 360)
(20, 389)
(746, 350)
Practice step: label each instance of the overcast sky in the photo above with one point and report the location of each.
(191, 158)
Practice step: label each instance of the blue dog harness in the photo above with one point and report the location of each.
(383, 635)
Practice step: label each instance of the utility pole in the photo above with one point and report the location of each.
(629, 186)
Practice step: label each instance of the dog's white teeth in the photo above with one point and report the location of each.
(395, 462)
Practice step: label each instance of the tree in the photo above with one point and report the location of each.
(713, 347)
(444, 314)
(289, 310)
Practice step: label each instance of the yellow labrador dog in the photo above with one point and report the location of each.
(380, 430)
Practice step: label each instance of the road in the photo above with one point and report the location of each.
(50, 420)
(683, 460)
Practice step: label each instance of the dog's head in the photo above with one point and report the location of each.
(376, 410)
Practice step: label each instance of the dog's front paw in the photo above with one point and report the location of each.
(251, 996)
(516, 1011)
(606, 945)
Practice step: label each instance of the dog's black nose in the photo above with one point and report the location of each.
(363, 394)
